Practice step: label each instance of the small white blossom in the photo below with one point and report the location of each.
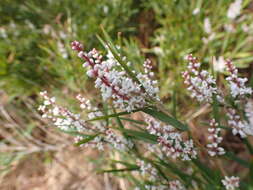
(196, 11)
(147, 170)
(220, 64)
(234, 9)
(117, 141)
(236, 84)
(155, 187)
(176, 185)
(231, 183)
(201, 84)
(207, 26)
(3, 33)
(170, 141)
(62, 50)
(215, 140)
(249, 113)
(114, 83)
(238, 125)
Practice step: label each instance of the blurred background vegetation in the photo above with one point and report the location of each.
(35, 38)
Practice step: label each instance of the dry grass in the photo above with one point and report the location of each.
(67, 171)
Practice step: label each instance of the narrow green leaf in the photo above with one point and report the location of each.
(165, 118)
(208, 174)
(133, 121)
(124, 163)
(113, 49)
(185, 177)
(113, 115)
(119, 170)
(232, 156)
(140, 135)
(249, 146)
(86, 140)
(174, 101)
(215, 106)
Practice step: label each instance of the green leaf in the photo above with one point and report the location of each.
(232, 156)
(215, 106)
(119, 170)
(208, 174)
(174, 101)
(91, 137)
(249, 146)
(113, 115)
(133, 121)
(140, 135)
(124, 163)
(165, 118)
(185, 177)
(108, 44)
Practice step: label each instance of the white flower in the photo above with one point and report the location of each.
(214, 138)
(237, 84)
(238, 125)
(220, 64)
(234, 9)
(231, 183)
(62, 50)
(3, 33)
(176, 185)
(207, 26)
(117, 141)
(196, 11)
(201, 84)
(147, 170)
(170, 141)
(113, 81)
(249, 113)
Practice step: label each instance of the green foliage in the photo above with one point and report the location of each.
(35, 41)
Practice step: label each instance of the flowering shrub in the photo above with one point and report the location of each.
(157, 150)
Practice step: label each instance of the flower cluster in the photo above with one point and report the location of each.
(66, 120)
(234, 9)
(208, 30)
(249, 115)
(219, 64)
(113, 82)
(237, 84)
(215, 140)
(170, 141)
(153, 187)
(176, 185)
(231, 183)
(147, 170)
(201, 84)
(238, 125)
(62, 117)
(118, 142)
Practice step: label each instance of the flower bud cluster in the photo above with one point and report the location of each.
(153, 187)
(62, 117)
(238, 125)
(176, 185)
(84, 104)
(170, 141)
(236, 84)
(118, 142)
(234, 9)
(215, 140)
(201, 84)
(113, 81)
(147, 170)
(249, 114)
(66, 120)
(231, 183)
